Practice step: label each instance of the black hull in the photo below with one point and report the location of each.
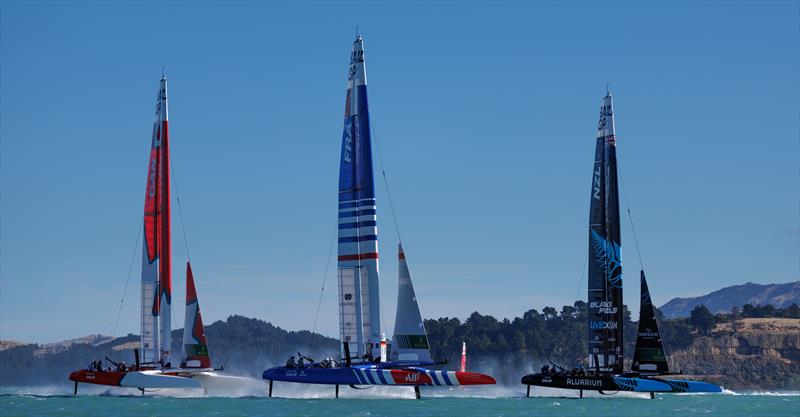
(564, 381)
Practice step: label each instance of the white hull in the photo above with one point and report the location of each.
(157, 379)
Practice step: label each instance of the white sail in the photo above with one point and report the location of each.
(410, 341)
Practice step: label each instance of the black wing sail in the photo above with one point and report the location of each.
(605, 267)
(649, 356)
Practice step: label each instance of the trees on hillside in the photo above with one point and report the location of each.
(702, 319)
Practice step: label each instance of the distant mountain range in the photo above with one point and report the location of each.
(721, 301)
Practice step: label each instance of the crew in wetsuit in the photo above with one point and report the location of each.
(545, 370)
(290, 363)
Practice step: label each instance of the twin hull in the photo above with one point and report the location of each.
(137, 379)
(372, 375)
(612, 383)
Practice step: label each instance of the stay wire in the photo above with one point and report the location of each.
(630, 216)
(127, 279)
(391, 203)
(325, 277)
(386, 183)
(180, 208)
(580, 277)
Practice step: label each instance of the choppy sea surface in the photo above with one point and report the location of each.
(297, 400)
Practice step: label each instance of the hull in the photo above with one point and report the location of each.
(613, 383)
(373, 375)
(137, 379)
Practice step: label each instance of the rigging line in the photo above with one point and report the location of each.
(180, 208)
(127, 279)
(580, 277)
(391, 203)
(630, 217)
(325, 276)
(386, 184)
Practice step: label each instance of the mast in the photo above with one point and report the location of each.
(156, 254)
(195, 347)
(359, 304)
(605, 268)
(410, 341)
(648, 355)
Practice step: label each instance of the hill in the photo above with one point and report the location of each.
(721, 301)
(738, 353)
(245, 346)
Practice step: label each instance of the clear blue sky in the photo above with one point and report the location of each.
(484, 112)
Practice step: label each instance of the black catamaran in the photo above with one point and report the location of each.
(605, 373)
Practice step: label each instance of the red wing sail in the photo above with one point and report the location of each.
(156, 252)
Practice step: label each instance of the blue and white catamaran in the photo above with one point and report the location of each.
(605, 373)
(367, 358)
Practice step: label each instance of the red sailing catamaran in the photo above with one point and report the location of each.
(153, 367)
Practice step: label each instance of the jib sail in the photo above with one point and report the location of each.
(648, 356)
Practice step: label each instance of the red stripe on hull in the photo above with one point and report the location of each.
(472, 378)
(358, 257)
(402, 377)
(113, 378)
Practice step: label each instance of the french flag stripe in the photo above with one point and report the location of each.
(358, 377)
(382, 377)
(432, 374)
(376, 376)
(446, 378)
(369, 376)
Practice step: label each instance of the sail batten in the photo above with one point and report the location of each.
(605, 266)
(357, 254)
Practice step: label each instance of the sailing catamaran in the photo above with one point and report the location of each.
(606, 373)
(365, 353)
(153, 366)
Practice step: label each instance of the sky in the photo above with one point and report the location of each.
(484, 115)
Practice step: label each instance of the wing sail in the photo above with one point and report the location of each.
(605, 266)
(358, 231)
(156, 293)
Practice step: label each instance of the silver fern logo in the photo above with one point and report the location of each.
(609, 252)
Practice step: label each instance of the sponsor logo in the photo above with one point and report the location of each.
(603, 307)
(348, 296)
(648, 334)
(411, 377)
(600, 325)
(356, 57)
(151, 188)
(605, 112)
(348, 142)
(596, 187)
(585, 382)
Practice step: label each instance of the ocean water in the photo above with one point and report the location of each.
(393, 401)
